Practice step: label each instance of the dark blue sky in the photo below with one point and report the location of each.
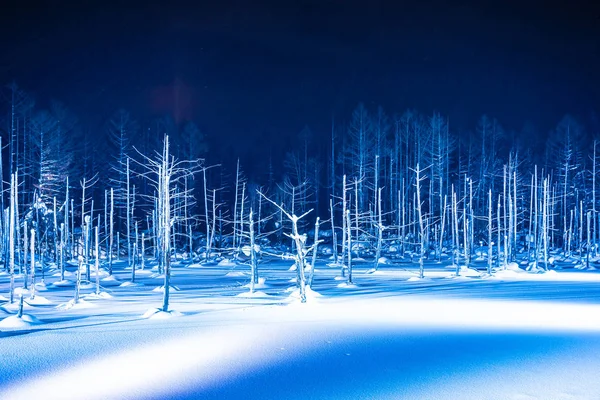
(263, 69)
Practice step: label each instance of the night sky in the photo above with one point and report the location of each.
(251, 71)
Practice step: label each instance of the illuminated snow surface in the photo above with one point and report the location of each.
(514, 335)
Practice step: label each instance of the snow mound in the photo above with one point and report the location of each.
(101, 295)
(155, 313)
(311, 295)
(161, 289)
(129, 283)
(110, 281)
(2, 298)
(292, 268)
(67, 273)
(383, 261)
(21, 291)
(37, 301)
(226, 263)
(81, 304)
(41, 287)
(63, 283)
(507, 273)
(346, 285)
(416, 279)
(513, 266)
(235, 274)
(143, 272)
(465, 271)
(87, 285)
(15, 322)
(257, 293)
(260, 285)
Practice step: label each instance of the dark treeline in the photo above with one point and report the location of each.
(410, 176)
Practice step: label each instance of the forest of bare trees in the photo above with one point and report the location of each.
(407, 186)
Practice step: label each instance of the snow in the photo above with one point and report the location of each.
(226, 263)
(72, 304)
(110, 281)
(161, 289)
(101, 295)
(37, 301)
(15, 322)
(155, 313)
(256, 293)
(514, 335)
(260, 285)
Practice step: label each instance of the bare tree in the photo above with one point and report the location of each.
(164, 172)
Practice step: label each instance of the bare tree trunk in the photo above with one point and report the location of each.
(111, 234)
(165, 202)
(143, 253)
(421, 224)
(349, 236)
(55, 229)
(25, 243)
(380, 229)
(78, 282)
(65, 228)
(587, 253)
(442, 229)
(235, 204)
(128, 213)
(32, 260)
(11, 237)
(455, 238)
(253, 260)
(333, 234)
(86, 241)
(314, 255)
(208, 234)
(97, 263)
(499, 228)
(344, 222)
(135, 254)
(489, 260)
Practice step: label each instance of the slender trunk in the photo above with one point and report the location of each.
(235, 203)
(55, 230)
(11, 238)
(25, 243)
(78, 282)
(128, 212)
(97, 263)
(349, 236)
(314, 254)
(379, 230)
(344, 222)
(208, 238)
(489, 260)
(253, 260)
(135, 253)
(421, 225)
(32, 260)
(442, 226)
(111, 233)
(333, 234)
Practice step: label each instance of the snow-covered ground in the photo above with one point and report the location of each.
(514, 335)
